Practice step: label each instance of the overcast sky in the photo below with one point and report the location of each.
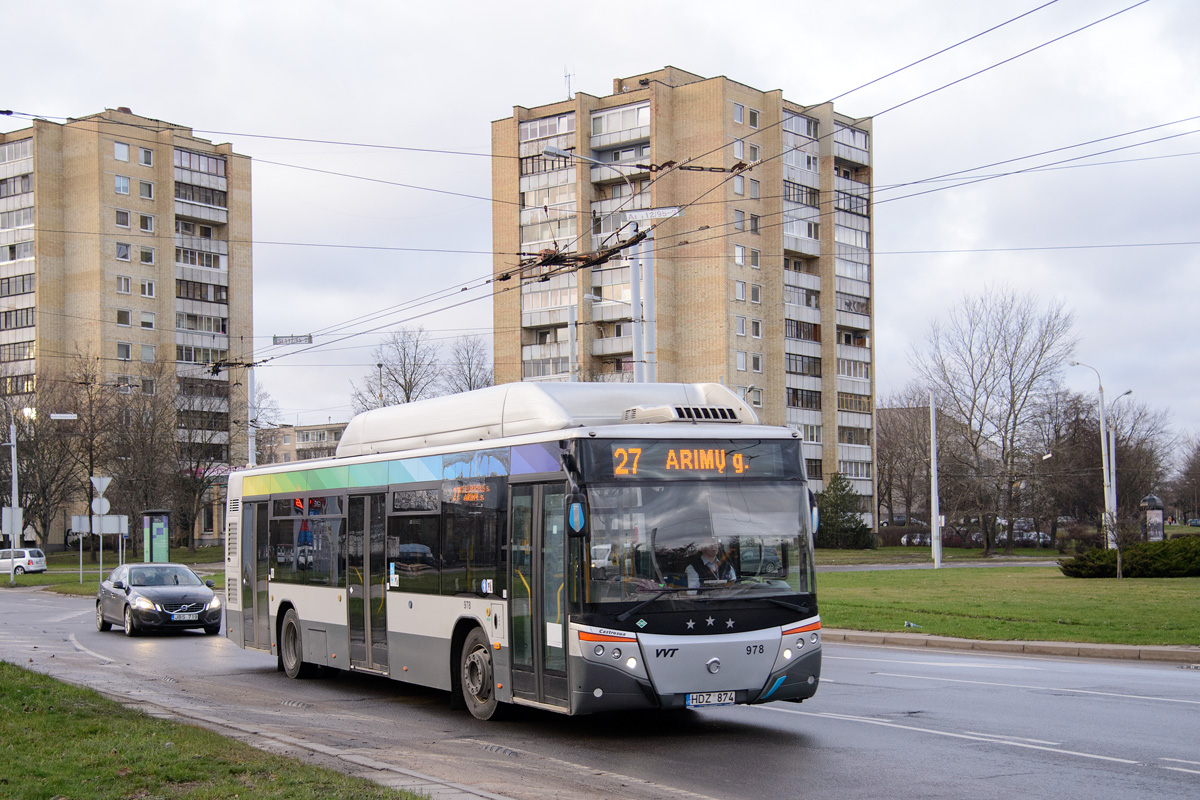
(1115, 236)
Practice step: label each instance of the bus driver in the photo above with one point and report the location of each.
(709, 564)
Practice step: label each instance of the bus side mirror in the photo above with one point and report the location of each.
(577, 514)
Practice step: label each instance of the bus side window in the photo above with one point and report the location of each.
(414, 554)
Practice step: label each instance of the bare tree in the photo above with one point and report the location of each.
(997, 354)
(46, 464)
(204, 439)
(145, 461)
(902, 451)
(407, 370)
(1185, 488)
(469, 366)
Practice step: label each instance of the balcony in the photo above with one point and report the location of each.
(604, 140)
(532, 352)
(612, 173)
(608, 312)
(612, 345)
(847, 152)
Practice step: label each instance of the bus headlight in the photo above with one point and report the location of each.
(631, 663)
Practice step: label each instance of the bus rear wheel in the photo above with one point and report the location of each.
(291, 647)
(477, 677)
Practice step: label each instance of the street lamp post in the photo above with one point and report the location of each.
(1110, 533)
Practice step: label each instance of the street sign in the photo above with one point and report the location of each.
(101, 505)
(305, 339)
(101, 483)
(653, 213)
(8, 524)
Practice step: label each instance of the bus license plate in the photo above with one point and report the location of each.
(184, 617)
(709, 699)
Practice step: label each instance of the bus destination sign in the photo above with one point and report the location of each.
(632, 459)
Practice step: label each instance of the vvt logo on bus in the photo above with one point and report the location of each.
(666, 652)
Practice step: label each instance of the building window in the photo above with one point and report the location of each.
(859, 403)
(752, 118)
(753, 189)
(122, 219)
(198, 162)
(855, 469)
(123, 317)
(853, 303)
(741, 361)
(18, 318)
(756, 326)
(755, 258)
(754, 223)
(17, 184)
(752, 152)
(148, 320)
(853, 369)
(739, 184)
(196, 290)
(739, 290)
(17, 284)
(812, 468)
(147, 386)
(146, 223)
(798, 193)
(122, 251)
(147, 255)
(756, 361)
(861, 436)
(549, 126)
(739, 113)
(120, 151)
(802, 365)
(811, 433)
(197, 258)
(739, 220)
(123, 284)
(148, 353)
(124, 351)
(805, 331)
(804, 398)
(146, 190)
(740, 325)
(739, 254)
(147, 288)
(756, 398)
(18, 351)
(121, 184)
(739, 149)
(145, 157)
(755, 293)
(13, 252)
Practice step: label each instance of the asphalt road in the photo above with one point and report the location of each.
(887, 722)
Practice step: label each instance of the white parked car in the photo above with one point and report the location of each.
(26, 560)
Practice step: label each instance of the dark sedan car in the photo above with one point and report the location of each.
(157, 596)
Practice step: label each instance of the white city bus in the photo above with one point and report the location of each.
(576, 547)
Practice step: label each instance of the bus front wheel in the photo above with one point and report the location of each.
(291, 647)
(477, 677)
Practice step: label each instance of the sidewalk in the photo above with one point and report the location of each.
(1180, 654)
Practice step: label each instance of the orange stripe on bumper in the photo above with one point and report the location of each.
(816, 626)
(600, 637)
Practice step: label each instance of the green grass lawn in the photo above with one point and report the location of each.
(1023, 603)
(116, 752)
(923, 555)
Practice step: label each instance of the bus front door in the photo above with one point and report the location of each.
(255, 556)
(538, 621)
(366, 581)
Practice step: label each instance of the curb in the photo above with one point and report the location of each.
(1179, 654)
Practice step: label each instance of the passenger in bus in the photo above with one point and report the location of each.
(710, 563)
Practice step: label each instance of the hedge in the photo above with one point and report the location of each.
(1174, 558)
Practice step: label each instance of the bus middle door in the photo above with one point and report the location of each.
(366, 581)
(537, 586)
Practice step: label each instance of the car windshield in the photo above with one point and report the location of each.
(163, 576)
(703, 538)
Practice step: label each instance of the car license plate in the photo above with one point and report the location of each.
(709, 699)
(184, 617)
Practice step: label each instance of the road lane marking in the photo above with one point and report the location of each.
(81, 648)
(1181, 761)
(931, 663)
(1042, 688)
(1014, 738)
(952, 735)
(1181, 769)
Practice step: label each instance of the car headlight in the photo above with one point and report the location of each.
(216, 602)
(143, 604)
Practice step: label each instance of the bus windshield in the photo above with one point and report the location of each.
(703, 538)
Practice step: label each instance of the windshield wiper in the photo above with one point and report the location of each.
(662, 593)
(778, 602)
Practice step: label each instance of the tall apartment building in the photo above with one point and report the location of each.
(128, 240)
(763, 283)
